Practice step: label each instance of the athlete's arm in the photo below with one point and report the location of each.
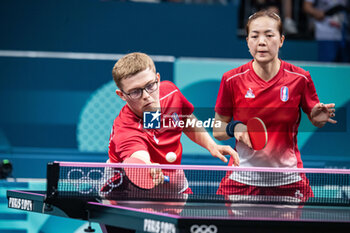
(240, 130)
(200, 136)
(220, 132)
(156, 173)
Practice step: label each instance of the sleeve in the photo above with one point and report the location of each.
(124, 144)
(187, 106)
(309, 98)
(224, 102)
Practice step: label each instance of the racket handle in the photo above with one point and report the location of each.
(166, 179)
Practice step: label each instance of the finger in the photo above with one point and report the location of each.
(331, 121)
(332, 105)
(221, 157)
(161, 178)
(233, 154)
(247, 140)
(319, 105)
(156, 175)
(235, 159)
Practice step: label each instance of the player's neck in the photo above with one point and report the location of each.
(267, 71)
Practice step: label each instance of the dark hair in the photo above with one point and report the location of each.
(266, 13)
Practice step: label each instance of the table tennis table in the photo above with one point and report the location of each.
(194, 215)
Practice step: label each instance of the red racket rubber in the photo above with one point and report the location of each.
(140, 177)
(257, 133)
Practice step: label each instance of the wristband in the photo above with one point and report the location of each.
(230, 128)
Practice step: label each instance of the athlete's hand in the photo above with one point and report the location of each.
(218, 151)
(157, 175)
(241, 134)
(322, 113)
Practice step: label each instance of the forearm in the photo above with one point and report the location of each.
(220, 132)
(199, 135)
(143, 155)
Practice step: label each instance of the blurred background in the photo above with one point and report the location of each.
(57, 96)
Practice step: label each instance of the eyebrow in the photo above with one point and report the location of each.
(137, 88)
(267, 31)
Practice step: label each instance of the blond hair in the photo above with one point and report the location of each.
(130, 65)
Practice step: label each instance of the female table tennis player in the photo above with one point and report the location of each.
(273, 90)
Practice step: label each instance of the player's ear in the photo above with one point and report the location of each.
(120, 94)
(158, 77)
(282, 40)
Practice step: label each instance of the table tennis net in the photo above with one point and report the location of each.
(203, 184)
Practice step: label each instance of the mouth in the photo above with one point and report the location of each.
(262, 53)
(148, 105)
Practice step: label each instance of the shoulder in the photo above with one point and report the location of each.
(127, 120)
(167, 88)
(127, 130)
(295, 72)
(238, 72)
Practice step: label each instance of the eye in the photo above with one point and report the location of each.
(135, 92)
(150, 86)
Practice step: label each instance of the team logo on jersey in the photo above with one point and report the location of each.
(284, 93)
(151, 120)
(249, 94)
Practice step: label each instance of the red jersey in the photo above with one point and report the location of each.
(243, 95)
(129, 136)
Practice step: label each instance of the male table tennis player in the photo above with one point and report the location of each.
(275, 91)
(140, 87)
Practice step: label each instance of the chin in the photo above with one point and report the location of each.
(263, 59)
(151, 108)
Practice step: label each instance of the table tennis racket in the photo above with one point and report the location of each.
(140, 177)
(257, 133)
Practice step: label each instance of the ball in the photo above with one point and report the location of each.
(170, 157)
